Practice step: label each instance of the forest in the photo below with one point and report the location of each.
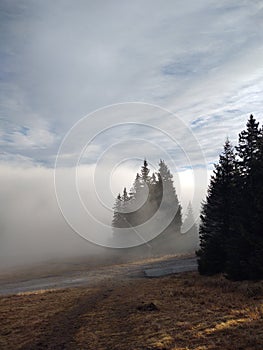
(230, 232)
(231, 229)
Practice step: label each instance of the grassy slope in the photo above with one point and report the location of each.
(193, 313)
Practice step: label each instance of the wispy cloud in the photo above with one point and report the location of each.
(60, 62)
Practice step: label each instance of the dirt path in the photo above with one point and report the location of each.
(60, 328)
(60, 331)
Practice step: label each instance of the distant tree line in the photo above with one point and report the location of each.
(150, 193)
(231, 229)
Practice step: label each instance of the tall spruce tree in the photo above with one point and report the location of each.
(117, 212)
(153, 195)
(144, 211)
(189, 239)
(134, 191)
(145, 172)
(191, 228)
(168, 197)
(121, 213)
(245, 248)
(189, 220)
(216, 215)
(141, 197)
(125, 211)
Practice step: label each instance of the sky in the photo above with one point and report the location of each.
(119, 81)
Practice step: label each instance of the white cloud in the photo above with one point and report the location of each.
(191, 57)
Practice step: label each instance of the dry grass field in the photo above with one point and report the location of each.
(183, 311)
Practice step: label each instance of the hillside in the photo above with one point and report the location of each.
(183, 311)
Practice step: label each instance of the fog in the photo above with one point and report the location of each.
(33, 228)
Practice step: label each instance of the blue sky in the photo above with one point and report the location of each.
(61, 60)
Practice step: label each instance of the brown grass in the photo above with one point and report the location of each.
(193, 312)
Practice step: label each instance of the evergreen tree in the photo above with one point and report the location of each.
(125, 197)
(189, 220)
(189, 240)
(245, 248)
(191, 228)
(153, 197)
(145, 172)
(117, 212)
(121, 213)
(144, 196)
(258, 223)
(216, 214)
(135, 190)
(166, 201)
(140, 199)
(168, 196)
(125, 210)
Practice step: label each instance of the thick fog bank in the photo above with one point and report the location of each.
(32, 227)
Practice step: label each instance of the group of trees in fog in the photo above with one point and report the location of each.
(149, 194)
(231, 228)
(145, 198)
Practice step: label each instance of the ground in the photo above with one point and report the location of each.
(182, 311)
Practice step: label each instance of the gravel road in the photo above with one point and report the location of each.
(101, 274)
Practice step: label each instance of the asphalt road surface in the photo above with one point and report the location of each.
(101, 274)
